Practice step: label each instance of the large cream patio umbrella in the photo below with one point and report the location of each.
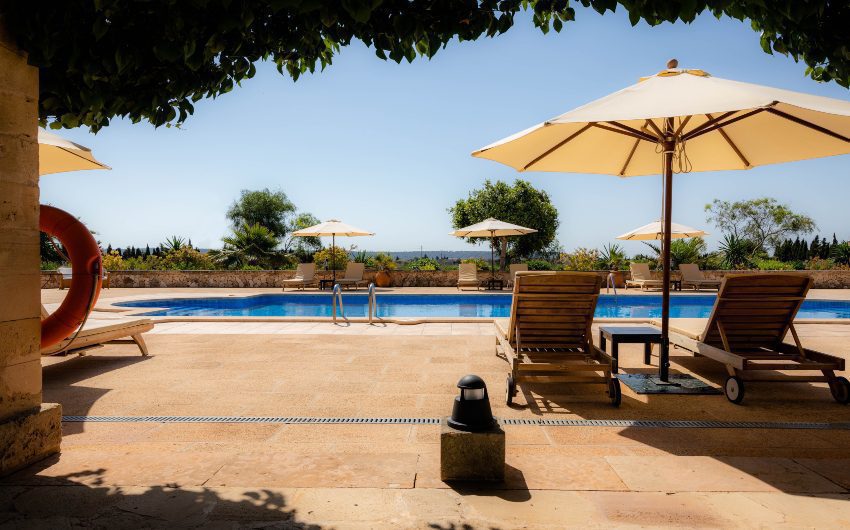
(57, 155)
(332, 228)
(680, 121)
(492, 228)
(655, 230)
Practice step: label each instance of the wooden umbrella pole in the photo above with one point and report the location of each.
(669, 146)
(333, 256)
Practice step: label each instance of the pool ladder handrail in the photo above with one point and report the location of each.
(336, 297)
(373, 302)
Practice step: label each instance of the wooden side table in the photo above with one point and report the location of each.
(645, 335)
(493, 282)
(326, 284)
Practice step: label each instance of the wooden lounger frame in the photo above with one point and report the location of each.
(548, 339)
(747, 327)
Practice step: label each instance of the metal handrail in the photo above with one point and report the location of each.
(337, 297)
(373, 302)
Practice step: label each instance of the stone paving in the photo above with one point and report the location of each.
(168, 475)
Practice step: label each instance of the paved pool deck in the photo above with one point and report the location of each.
(288, 475)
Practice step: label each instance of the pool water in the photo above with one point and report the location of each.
(438, 305)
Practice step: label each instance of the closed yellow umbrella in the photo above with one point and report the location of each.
(57, 155)
(680, 120)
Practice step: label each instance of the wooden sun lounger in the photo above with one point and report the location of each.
(305, 275)
(467, 276)
(692, 276)
(751, 317)
(353, 275)
(642, 277)
(547, 338)
(515, 268)
(103, 329)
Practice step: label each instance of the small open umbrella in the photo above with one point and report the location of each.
(57, 155)
(332, 228)
(680, 120)
(655, 230)
(492, 228)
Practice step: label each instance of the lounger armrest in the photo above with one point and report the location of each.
(736, 361)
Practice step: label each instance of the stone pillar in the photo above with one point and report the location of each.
(29, 430)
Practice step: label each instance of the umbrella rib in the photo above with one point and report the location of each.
(810, 125)
(732, 144)
(682, 125)
(629, 158)
(557, 146)
(95, 162)
(655, 128)
(618, 127)
(718, 122)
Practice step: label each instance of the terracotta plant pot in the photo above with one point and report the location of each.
(383, 279)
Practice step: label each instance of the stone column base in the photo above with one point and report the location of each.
(30, 437)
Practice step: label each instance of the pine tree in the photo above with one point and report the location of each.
(814, 248)
(147, 250)
(834, 239)
(824, 248)
(109, 249)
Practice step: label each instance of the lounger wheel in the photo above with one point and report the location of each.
(734, 389)
(510, 391)
(840, 389)
(614, 392)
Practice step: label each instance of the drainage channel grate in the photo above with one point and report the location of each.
(664, 424)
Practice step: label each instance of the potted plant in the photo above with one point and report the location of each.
(384, 263)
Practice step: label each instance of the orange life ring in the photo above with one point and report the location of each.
(85, 274)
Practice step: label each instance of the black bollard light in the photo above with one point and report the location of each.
(471, 411)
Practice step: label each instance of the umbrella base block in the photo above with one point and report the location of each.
(677, 384)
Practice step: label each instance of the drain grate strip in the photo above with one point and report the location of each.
(664, 424)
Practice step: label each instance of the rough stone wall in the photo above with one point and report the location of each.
(29, 431)
(832, 279)
(20, 364)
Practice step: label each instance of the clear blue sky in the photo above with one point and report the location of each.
(387, 147)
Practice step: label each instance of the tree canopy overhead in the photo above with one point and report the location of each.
(152, 61)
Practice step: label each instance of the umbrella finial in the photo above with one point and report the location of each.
(672, 63)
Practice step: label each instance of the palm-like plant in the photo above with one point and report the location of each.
(840, 253)
(172, 244)
(251, 245)
(612, 256)
(737, 251)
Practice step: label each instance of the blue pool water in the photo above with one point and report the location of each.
(437, 305)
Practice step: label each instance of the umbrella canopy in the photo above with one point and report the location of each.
(718, 124)
(492, 228)
(56, 155)
(680, 121)
(654, 230)
(332, 228)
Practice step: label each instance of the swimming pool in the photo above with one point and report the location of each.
(443, 305)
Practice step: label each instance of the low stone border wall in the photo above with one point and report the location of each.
(831, 279)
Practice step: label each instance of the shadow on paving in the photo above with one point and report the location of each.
(83, 500)
(64, 373)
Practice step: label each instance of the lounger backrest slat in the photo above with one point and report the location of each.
(553, 309)
(690, 272)
(354, 271)
(467, 272)
(305, 271)
(640, 271)
(755, 310)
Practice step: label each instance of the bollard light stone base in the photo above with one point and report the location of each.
(472, 455)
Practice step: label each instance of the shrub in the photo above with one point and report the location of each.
(612, 257)
(820, 264)
(422, 264)
(541, 265)
(114, 262)
(772, 265)
(840, 253)
(582, 259)
(384, 262)
(50, 265)
(323, 257)
(185, 258)
(480, 263)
